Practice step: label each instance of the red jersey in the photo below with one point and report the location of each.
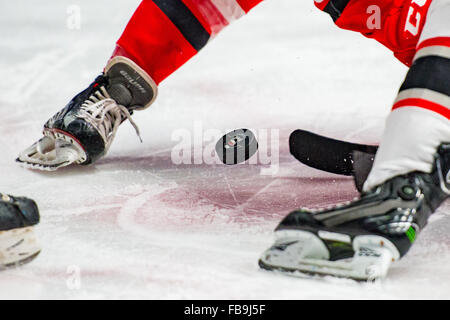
(397, 24)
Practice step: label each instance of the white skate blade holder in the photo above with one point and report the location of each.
(304, 252)
(17, 246)
(53, 151)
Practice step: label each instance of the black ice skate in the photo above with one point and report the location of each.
(83, 131)
(359, 240)
(18, 244)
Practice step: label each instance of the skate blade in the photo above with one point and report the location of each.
(17, 247)
(55, 150)
(305, 253)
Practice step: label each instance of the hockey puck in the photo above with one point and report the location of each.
(236, 146)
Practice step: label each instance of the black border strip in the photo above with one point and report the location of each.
(335, 7)
(185, 21)
(430, 72)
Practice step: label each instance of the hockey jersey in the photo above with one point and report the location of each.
(397, 24)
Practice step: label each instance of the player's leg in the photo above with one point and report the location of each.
(410, 178)
(18, 245)
(164, 34)
(160, 37)
(419, 122)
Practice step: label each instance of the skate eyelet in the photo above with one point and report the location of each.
(407, 192)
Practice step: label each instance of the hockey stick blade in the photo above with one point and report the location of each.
(334, 156)
(326, 154)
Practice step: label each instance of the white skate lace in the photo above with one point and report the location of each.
(106, 115)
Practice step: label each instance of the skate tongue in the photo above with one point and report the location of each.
(120, 94)
(362, 165)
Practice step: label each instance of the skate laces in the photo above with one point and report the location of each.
(106, 115)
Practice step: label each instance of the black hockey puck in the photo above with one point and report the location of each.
(236, 146)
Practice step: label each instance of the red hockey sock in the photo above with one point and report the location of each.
(164, 34)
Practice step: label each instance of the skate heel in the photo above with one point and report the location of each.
(373, 257)
(17, 247)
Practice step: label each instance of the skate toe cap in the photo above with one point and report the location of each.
(29, 210)
(19, 212)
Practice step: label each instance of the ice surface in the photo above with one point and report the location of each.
(137, 226)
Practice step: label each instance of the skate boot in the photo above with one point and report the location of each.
(83, 131)
(360, 239)
(18, 244)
